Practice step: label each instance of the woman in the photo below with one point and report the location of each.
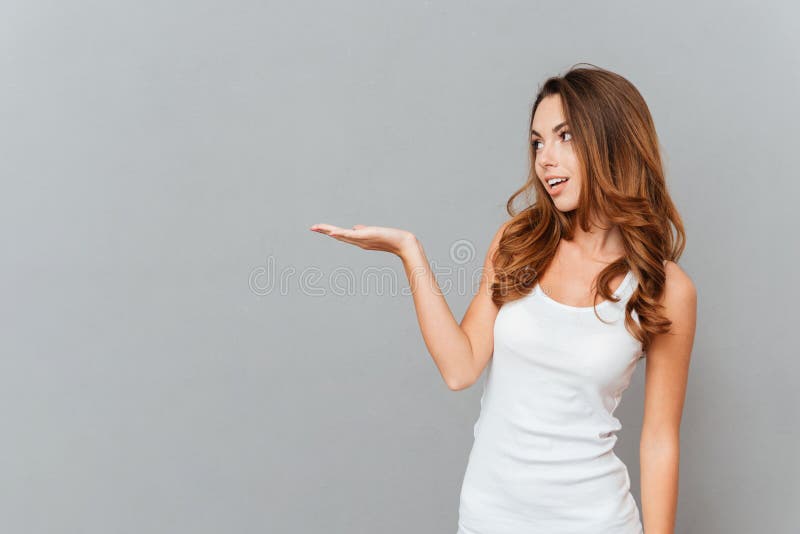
(578, 287)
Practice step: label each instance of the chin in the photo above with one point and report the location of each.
(566, 207)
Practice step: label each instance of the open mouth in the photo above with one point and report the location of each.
(555, 182)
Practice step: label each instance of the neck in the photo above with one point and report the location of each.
(602, 243)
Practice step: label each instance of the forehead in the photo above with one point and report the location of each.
(548, 114)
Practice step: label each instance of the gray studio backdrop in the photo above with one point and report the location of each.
(180, 354)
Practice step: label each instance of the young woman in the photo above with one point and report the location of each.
(579, 285)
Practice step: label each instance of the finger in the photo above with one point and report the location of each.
(341, 232)
(325, 228)
(346, 239)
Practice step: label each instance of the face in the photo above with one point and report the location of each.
(554, 153)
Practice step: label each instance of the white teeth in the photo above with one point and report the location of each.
(555, 181)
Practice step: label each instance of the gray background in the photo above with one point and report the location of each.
(156, 159)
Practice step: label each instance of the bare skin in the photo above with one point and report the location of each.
(461, 351)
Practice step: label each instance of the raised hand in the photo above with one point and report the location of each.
(392, 240)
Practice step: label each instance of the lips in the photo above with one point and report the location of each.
(564, 179)
(556, 189)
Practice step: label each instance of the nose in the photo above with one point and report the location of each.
(546, 158)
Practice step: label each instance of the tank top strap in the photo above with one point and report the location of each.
(627, 286)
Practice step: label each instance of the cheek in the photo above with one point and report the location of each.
(570, 158)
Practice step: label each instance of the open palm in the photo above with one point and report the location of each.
(392, 240)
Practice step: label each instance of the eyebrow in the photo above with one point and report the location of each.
(555, 129)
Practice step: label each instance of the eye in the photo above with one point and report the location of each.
(562, 134)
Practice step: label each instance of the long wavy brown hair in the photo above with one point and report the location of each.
(618, 152)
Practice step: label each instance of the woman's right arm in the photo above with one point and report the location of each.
(460, 352)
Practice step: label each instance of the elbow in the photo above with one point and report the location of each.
(457, 384)
(462, 375)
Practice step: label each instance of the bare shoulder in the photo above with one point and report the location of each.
(678, 286)
(679, 299)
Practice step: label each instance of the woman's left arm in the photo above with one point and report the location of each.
(666, 373)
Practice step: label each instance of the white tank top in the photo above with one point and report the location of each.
(543, 458)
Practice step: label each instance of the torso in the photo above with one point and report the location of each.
(543, 457)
